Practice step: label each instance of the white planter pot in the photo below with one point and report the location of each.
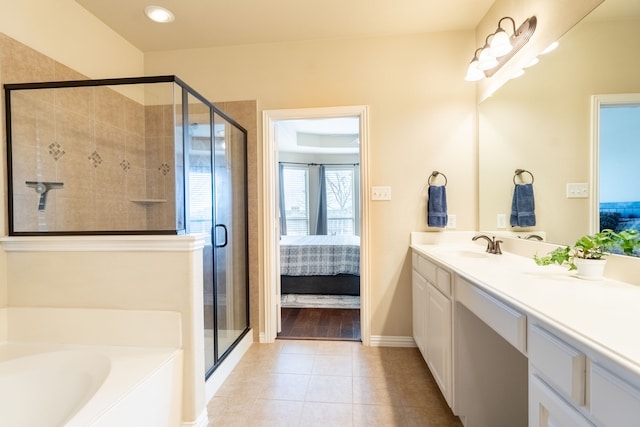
(590, 269)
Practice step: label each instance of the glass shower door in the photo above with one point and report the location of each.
(230, 264)
(199, 198)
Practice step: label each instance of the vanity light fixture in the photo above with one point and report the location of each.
(499, 47)
(159, 14)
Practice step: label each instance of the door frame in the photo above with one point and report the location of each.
(271, 223)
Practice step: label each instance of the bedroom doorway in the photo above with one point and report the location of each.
(316, 282)
(319, 214)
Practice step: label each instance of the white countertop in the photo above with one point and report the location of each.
(604, 314)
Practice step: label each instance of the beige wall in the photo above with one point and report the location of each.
(542, 123)
(66, 32)
(421, 119)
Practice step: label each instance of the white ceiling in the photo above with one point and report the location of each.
(206, 23)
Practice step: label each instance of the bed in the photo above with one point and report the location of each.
(324, 265)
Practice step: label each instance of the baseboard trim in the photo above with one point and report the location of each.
(391, 341)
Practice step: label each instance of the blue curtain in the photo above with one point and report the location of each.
(321, 225)
(283, 212)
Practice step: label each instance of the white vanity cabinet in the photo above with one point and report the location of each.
(570, 384)
(509, 347)
(432, 320)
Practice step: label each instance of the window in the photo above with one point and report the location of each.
(296, 200)
(340, 206)
(200, 209)
(618, 153)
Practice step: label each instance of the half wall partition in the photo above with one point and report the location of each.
(144, 155)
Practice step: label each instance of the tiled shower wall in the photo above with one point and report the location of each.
(114, 156)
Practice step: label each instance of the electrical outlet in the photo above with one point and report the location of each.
(501, 221)
(577, 190)
(381, 193)
(451, 221)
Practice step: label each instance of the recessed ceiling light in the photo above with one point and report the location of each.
(159, 14)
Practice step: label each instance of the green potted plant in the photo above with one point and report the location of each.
(587, 254)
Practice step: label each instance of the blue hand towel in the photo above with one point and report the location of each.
(523, 206)
(437, 206)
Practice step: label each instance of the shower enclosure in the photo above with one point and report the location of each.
(144, 155)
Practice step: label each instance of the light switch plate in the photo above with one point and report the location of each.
(501, 221)
(451, 221)
(381, 193)
(577, 190)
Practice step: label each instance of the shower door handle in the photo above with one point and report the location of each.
(226, 235)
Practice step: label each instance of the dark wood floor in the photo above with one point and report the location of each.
(320, 323)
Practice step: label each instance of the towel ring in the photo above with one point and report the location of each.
(520, 172)
(434, 174)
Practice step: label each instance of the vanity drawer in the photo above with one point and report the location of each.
(435, 275)
(508, 322)
(614, 402)
(427, 269)
(562, 366)
(443, 281)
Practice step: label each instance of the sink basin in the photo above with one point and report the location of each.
(472, 254)
(468, 253)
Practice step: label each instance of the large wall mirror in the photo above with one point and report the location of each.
(542, 122)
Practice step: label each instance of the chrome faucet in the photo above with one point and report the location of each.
(493, 245)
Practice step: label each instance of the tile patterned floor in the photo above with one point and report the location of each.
(329, 384)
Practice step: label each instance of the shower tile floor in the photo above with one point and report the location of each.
(329, 383)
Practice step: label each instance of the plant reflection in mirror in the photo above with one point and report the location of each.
(593, 246)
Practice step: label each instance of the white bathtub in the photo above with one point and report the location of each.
(79, 386)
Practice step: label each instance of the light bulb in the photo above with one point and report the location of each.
(486, 61)
(500, 44)
(473, 72)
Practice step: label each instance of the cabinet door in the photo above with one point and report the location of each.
(419, 305)
(547, 409)
(439, 339)
(614, 401)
